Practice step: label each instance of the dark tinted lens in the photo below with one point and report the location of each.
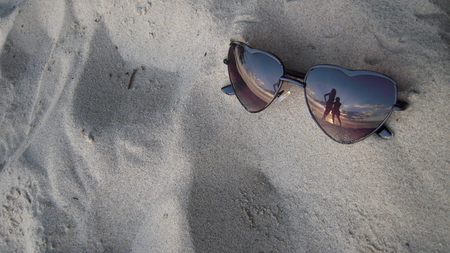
(349, 107)
(255, 76)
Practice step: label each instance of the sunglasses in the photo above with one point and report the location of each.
(348, 105)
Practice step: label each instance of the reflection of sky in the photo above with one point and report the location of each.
(260, 70)
(366, 99)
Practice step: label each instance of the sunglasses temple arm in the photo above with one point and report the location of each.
(400, 106)
(384, 132)
(228, 90)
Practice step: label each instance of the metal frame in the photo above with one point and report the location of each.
(299, 78)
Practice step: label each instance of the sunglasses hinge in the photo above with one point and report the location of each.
(400, 105)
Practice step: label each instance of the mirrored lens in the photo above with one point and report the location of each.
(349, 106)
(255, 76)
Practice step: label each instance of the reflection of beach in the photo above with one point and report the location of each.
(349, 119)
(344, 133)
(348, 131)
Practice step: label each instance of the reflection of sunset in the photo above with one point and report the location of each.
(255, 76)
(350, 119)
(264, 91)
(359, 103)
(250, 78)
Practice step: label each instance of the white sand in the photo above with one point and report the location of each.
(173, 165)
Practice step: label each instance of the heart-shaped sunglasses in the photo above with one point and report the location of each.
(348, 105)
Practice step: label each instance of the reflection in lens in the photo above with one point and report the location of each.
(347, 107)
(255, 76)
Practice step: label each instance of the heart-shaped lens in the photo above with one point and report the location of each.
(349, 105)
(254, 75)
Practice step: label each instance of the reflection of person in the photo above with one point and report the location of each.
(329, 102)
(336, 110)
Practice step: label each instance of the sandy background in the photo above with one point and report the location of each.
(173, 165)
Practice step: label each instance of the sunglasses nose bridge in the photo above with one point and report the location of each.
(295, 81)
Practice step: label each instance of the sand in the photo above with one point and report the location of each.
(115, 136)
